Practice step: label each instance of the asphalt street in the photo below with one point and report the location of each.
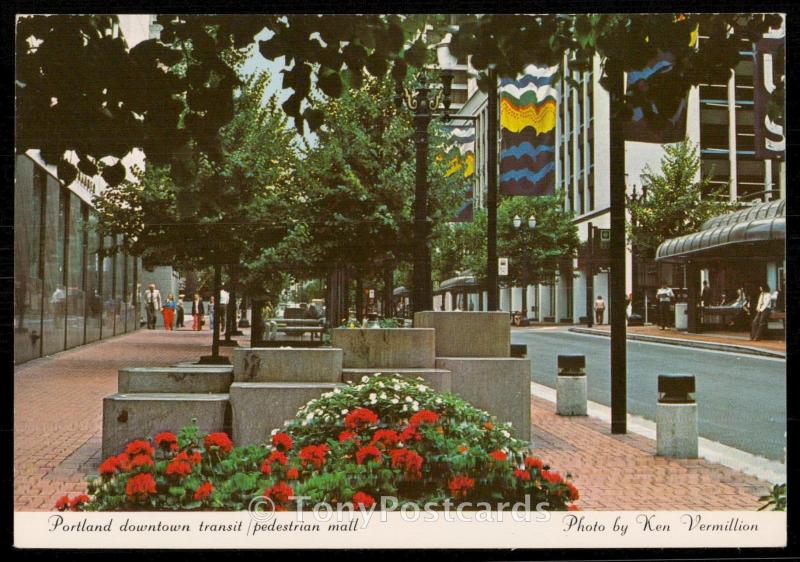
(741, 398)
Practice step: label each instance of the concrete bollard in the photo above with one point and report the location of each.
(571, 385)
(676, 417)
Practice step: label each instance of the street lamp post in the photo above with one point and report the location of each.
(526, 253)
(425, 102)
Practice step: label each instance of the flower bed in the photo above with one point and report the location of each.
(387, 436)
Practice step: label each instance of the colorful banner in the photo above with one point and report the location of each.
(659, 112)
(528, 111)
(461, 158)
(768, 73)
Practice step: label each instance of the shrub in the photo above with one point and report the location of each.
(387, 436)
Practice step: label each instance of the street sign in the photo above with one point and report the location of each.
(502, 266)
(605, 238)
(372, 293)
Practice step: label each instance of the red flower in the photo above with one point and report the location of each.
(388, 438)
(77, 501)
(279, 493)
(573, 507)
(220, 440)
(460, 485)
(196, 457)
(488, 425)
(369, 451)
(140, 486)
(139, 447)
(62, 504)
(179, 467)
(122, 462)
(314, 454)
(292, 474)
(140, 461)
(522, 474)
(410, 461)
(533, 462)
(347, 436)
(275, 456)
(362, 499)
(282, 441)
(423, 416)
(203, 491)
(499, 455)
(167, 441)
(360, 417)
(108, 466)
(410, 433)
(573, 491)
(552, 477)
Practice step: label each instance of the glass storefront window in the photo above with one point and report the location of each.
(76, 267)
(30, 184)
(55, 295)
(109, 304)
(94, 299)
(119, 292)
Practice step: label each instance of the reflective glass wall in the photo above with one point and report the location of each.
(66, 291)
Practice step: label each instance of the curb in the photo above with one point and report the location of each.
(769, 470)
(730, 348)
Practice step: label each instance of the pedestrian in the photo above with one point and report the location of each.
(599, 310)
(152, 301)
(705, 295)
(224, 299)
(168, 312)
(198, 310)
(761, 318)
(212, 313)
(179, 311)
(665, 297)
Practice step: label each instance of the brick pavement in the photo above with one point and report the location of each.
(58, 426)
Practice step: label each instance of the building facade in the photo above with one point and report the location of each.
(719, 121)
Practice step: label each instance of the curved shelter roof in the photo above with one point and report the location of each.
(459, 283)
(757, 231)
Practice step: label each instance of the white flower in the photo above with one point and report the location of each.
(274, 431)
(394, 400)
(327, 417)
(310, 416)
(365, 378)
(383, 396)
(438, 400)
(372, 396)
(336, 391)
(318, 412)
(405, 407)
(304, 423)
(415, 406)
(505, 433)
(409, 399)
(380, 384)
(344, 412)
(286, 423)
(422, 388)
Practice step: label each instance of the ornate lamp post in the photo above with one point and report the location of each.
(526, 241)
(425, 103)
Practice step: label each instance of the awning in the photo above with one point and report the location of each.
(459, 283)
(401, 292)
(758, 231)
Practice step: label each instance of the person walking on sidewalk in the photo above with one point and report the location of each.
(761, 319)
(179, 313)
(224, 299)
(665, 297)
(152, 301)
(212, 313)
(198, 310)
(168, 312)
(599, 309)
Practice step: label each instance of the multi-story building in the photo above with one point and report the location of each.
(719, 121)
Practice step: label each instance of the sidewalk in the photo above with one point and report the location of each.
(58, 428)
(721, 341)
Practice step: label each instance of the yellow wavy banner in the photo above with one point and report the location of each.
(541, 117)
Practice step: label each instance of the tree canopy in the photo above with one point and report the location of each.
(676, 202)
